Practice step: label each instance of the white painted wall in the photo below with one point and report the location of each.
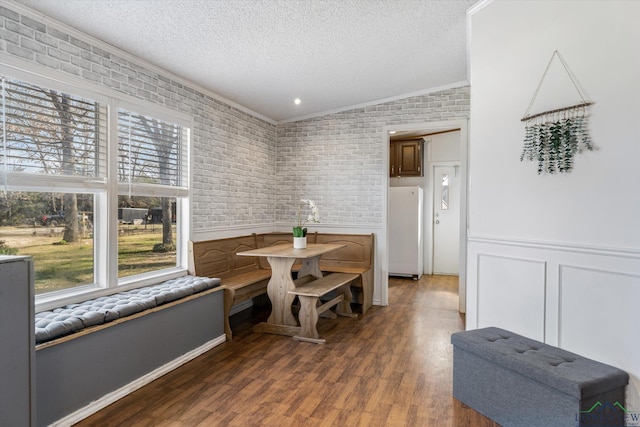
(557, 257)
(444, 147)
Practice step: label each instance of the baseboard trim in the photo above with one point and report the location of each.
(118, 394)
(240, 307)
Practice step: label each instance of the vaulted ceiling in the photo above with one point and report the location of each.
(263, 54)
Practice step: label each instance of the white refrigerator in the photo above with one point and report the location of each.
(406, 252)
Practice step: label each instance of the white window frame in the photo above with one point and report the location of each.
(182, 194)
(106, 188)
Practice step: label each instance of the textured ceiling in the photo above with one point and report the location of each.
(262, 54)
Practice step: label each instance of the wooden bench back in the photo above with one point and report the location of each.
(217, 258)
(357, 254)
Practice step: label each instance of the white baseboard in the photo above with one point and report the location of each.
(115, 395)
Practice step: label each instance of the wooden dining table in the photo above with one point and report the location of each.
(281, 259)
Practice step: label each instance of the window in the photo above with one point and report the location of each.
(53, 145)
(40, 224)
(444, 200)
(89, 224)
(151, 172)
(146, 242)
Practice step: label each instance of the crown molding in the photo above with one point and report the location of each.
(376, 102)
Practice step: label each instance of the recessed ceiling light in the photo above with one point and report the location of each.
(391, 132)
(297, 101)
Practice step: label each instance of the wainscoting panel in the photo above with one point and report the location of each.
(584, 299)
(511, 294)
(586, 294)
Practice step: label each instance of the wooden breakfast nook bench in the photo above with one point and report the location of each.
(242, 277)
(357, 256)
(309, 295)
(245, 277)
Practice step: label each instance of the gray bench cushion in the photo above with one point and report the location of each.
(75, 317)
(570, 373)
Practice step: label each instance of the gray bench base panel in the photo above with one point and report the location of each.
(72, 374)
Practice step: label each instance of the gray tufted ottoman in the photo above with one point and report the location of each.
(517, 381)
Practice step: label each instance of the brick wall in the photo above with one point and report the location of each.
(337, 160)
(233, 152)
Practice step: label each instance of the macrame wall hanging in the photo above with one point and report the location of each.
(553, 137)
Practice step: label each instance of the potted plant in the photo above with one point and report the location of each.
(300, 231)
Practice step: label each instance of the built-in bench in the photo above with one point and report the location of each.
(73, 318)
(520, 382)
(90, 354)
(244, 278)
(309, 295)
(356, 257)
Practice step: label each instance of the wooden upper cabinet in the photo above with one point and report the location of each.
(406, 158)
(393, 162)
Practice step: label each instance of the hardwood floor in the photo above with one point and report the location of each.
(391, 368)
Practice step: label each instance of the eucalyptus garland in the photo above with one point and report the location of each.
(554, 143)
(553, 137)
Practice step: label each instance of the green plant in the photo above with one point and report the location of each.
(163, 247)
(6, 250)
(553, 144)
(300, 230)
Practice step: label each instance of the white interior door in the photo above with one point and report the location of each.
(446, 219)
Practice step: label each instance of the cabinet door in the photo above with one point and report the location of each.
(393, 160)
(409, 158)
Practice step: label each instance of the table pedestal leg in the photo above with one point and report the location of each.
(311, 266)
(278, 290)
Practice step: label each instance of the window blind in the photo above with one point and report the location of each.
(151, 151)
(48, 132)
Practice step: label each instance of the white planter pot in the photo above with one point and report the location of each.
(299, 242)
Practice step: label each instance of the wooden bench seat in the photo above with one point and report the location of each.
(241, 280)
(309, 295)
(355, 258)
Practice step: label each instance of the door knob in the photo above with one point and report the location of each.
(437, 221)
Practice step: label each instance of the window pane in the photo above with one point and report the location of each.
(56, 230)
(147, 234)
(445, 192)
(51, 132)
(151, 151)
